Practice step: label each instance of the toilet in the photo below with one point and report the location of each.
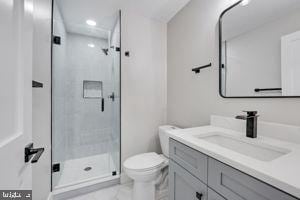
(149, 170)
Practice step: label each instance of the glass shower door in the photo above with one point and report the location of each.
(116, 101)
(85, 94)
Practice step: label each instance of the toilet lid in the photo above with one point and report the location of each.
(144, 162)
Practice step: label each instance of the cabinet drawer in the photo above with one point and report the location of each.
(184, 185)
(190, 159)
(212, 195)
(235, 185)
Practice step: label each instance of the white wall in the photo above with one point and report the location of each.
(258, 54)
(143, 83)
(42, 97)
(193, 41)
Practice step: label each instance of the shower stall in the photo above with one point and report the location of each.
(85, 93)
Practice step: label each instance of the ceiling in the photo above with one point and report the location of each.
(242, 19)
(105, 13)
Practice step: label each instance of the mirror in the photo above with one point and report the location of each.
(260, 49)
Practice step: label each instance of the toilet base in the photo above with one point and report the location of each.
(143, 190)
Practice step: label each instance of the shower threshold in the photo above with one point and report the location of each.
(84, 175)
(84, 188)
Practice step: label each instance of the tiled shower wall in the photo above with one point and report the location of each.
(87, 128)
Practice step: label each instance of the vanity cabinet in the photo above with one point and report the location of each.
(235, 185)
(190, 159)
(194, 175)
(184, 185)
(212, 195)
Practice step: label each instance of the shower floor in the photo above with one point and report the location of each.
(84, 169)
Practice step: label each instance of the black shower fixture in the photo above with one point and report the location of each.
(105, 51)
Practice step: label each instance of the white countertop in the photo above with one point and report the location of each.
(282, 173)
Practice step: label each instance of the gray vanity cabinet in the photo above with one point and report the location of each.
(195, 176)
(190, 159)
(184, 186)
(212, 195)
(235, 185)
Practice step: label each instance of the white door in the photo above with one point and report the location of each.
(290, 64)
(15, 92)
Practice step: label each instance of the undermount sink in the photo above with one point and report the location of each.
(246, 147)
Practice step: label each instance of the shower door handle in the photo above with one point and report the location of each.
(102, 105)
(112, 96)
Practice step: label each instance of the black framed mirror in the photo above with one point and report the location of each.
(259, 49)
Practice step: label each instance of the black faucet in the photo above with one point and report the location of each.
(251, 118)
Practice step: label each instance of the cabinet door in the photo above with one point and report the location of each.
(212, 195)
(235, 185)
(190, 159)
(184, 186)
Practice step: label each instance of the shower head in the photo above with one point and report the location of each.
(105, 51)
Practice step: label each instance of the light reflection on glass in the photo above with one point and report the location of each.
(28, 6)
(8, 3)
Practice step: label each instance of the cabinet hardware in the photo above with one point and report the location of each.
(199, 195)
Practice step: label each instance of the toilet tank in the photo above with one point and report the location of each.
(164, 138)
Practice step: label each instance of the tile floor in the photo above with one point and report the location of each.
(118, 192)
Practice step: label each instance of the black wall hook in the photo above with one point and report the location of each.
(198, 69)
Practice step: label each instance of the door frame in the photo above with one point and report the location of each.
(285, 40)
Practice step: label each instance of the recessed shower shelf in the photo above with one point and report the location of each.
(92, 89)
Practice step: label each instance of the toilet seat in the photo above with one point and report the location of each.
(144, 162)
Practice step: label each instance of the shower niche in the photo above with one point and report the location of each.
(92, 89)
(85, 72)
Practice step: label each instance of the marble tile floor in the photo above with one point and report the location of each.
(118, 192)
